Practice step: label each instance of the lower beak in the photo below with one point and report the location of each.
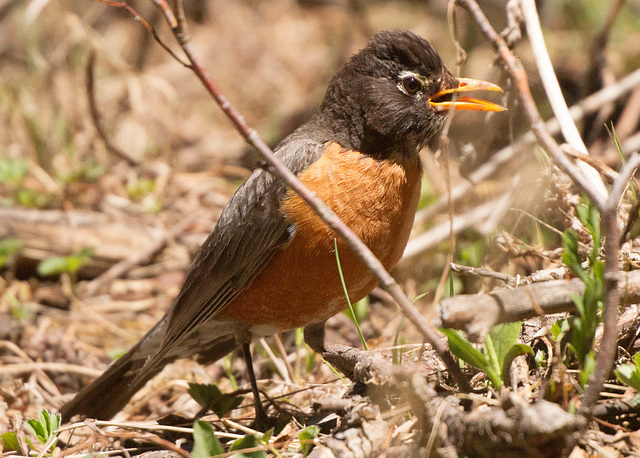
(441, 101)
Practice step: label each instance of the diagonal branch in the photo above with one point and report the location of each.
(554, 93)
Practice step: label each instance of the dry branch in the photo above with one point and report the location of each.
(46, 233)
(477, 313)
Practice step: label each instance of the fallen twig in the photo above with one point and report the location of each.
(477, 313)
(46, 233)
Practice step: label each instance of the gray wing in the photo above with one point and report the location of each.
(249, 232)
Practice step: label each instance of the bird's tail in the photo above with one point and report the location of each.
(110, 392)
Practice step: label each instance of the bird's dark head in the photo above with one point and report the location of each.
(393, 95)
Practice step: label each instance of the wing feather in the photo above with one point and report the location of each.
(249, 232)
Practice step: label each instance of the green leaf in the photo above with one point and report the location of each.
(571, 255)
(246, 442)
(503, 337)
(205, 442)
(587, 370)
(44, 427)
(54, 265)
(57, 265)
(8, 248)
(629, 375)
(306, 437)
(204, 394)
(463, 349)
(515, 351)
(559, 328)
(34, 427)
(489, 352)
(10, 442)
(210, 397)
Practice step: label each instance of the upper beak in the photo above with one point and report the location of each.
(464, 102)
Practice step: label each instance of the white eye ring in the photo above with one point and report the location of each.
(410, 83)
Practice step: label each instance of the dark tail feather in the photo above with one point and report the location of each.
(110, 392)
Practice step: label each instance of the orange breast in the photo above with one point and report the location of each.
(301, 284)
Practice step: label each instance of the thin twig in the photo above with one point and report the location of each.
(24, 368)
(129, 9)
(481, 272)
(554, 93)
(135, 259)
(95, 115)
(600, 166)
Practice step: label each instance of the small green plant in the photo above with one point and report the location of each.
(12, 171)
(250, 441)
(29, 198)
(8, 249)
(205, 442)
(57, 265)
(629, 374)
(211, 398)
(142, 190)
(580, 329)
(140, 187)
(87, 171)
(19, 310)
(44, 428)
(306, 437)
(499, 351)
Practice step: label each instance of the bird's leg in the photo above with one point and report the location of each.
(314, 337)
(262, 419)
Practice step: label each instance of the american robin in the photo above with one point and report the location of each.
(269, 265)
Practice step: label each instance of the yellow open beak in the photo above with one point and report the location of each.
(464, 102)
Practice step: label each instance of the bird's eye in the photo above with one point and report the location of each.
(411, 84)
